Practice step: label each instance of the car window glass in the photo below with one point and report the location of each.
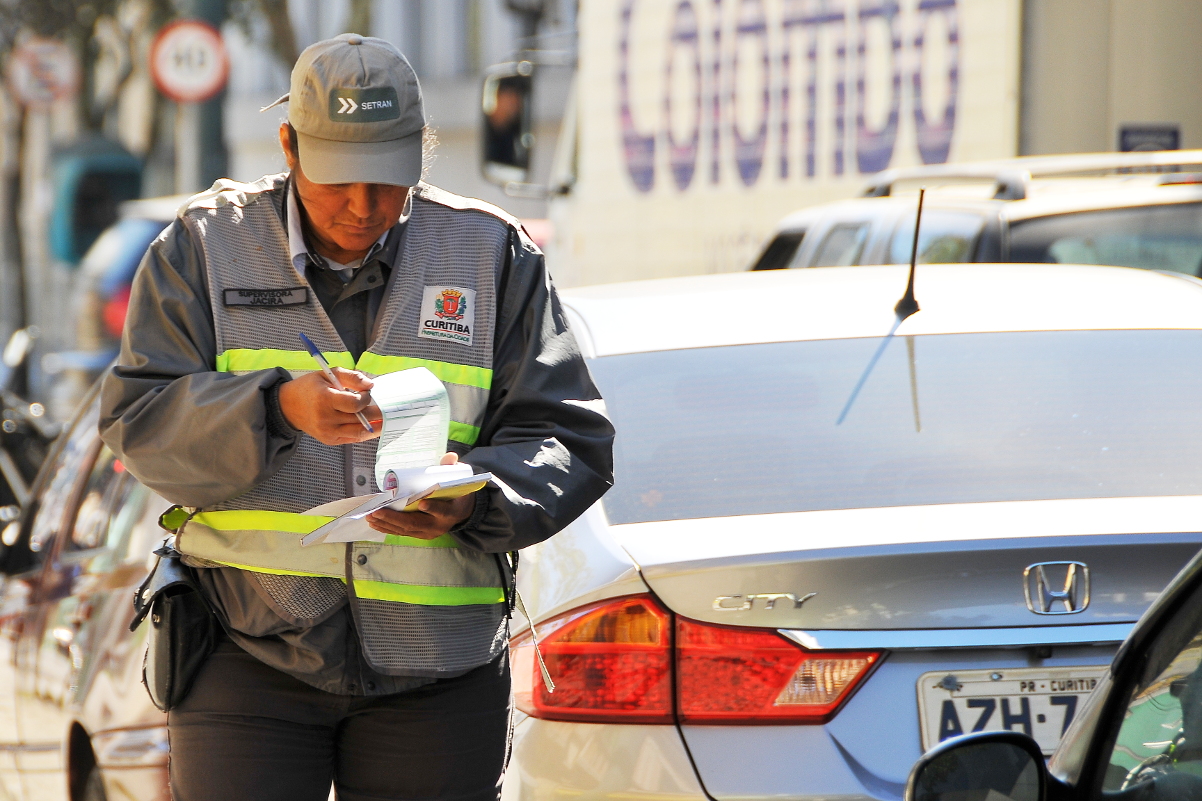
(132, 529)
(1164, 237)
(1158, 751)
(946, 237)
(956, 418)
(53, 504)
(842, 245)
(780, 251)
(106, 489)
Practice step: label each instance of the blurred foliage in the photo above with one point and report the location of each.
(97, 29)
(71, 20)
(281, 34)
(77, 23)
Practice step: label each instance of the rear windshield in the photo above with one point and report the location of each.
(959, 418)
(1152, 237)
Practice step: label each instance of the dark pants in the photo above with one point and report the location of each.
(247, 731)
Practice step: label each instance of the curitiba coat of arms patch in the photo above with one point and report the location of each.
(450, 305)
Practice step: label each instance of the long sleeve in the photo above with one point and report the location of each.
(194, 435)
(545, 434)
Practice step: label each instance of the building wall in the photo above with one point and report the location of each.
(1091, 66)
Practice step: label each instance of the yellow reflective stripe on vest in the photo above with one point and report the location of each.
(242, 360)
(292, 523)
(245, 360)
(426, 572)
(462, 432)
(447, 372)
(428, 596)
(253, 519)
(445, 541)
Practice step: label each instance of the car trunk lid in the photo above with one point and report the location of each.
(951, 566)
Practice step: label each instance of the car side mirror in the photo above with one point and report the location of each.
(507, 133)
(990, 766)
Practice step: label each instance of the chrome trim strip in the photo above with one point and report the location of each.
(922, 639)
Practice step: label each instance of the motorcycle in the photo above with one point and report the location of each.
(26, 434)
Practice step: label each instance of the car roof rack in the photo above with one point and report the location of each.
(1012, 176)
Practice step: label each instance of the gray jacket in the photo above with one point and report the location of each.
(199, 437)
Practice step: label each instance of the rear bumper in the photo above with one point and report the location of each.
(553, 760)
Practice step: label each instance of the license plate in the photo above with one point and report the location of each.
(1039, 702)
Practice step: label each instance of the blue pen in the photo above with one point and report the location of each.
(329, 374)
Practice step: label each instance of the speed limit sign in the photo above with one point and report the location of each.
(188, 61)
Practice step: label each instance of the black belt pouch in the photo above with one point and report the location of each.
(183, 629)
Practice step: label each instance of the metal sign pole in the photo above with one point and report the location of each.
(189, 65)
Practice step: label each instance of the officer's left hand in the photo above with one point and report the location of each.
(434, 519)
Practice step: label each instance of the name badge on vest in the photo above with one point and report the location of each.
(448, 314)
(294, 296)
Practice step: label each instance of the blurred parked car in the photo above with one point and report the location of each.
(1126, 209)
(790, 595)
(1138, 738)
(102, 297)
(75, 722)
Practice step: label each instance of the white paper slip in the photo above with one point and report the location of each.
(417, 420)
(413, 438)
(440, 482)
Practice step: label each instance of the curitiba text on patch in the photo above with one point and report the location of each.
(445, 329)
(273, 298)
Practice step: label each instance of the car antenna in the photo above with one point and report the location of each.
(905, 307)
(908, 305)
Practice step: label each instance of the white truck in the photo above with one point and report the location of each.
(696, 125)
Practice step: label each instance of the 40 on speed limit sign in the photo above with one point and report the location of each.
(188, 61)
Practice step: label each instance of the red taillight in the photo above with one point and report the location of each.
(114, 312)
(738, 675)
(612, 662)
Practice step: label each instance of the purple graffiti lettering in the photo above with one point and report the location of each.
(716, 96)
(683, 157)
(935, 140)
(803, 14)
(789, 22)
(749, 153)
(874, 149)
(639, 150)
(840, 99)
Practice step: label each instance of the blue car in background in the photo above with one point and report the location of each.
(102, 298)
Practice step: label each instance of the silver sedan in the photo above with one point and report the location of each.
(829, 549)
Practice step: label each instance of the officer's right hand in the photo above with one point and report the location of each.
(311, 404)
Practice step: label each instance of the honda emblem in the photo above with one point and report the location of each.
(1056, 588)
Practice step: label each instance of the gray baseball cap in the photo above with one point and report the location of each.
(357, 109)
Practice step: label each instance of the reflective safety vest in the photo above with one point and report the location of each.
(421, 608)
